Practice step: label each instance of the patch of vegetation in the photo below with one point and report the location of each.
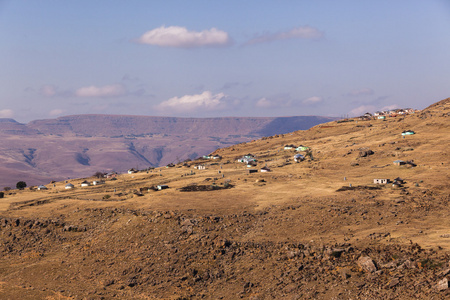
(106, 197)
(428, 263)
(345, 120)
(205, 188)
(21, 185)
(359, 187)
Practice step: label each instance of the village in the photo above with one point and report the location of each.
(360, 206)
(260, 162)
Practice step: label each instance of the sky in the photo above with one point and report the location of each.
(221, 58)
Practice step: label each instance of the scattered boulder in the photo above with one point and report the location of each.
(365, 153)
(367, 264)
(442, 285)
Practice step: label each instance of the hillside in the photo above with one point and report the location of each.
(315, 229)
(80, 145)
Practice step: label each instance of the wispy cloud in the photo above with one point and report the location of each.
(192, 103)
(313, 100)
(6, 113)
(106, 91)
(275, 101)
(56, 112)
(303, 32)
(264, 103)
(360, 92)
(361, 110)
(180, 37)
(389, 107)
(48, 90)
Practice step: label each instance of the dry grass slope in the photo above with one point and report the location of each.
(291, 233)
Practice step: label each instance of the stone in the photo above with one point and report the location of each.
(367, 264)
(345, 273)
(393, 283)
(442, 285)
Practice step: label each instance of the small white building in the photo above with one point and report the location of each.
(69, 186)
(42, 187)
(265, 169)
(298, 157)
(131, 171)
(381, 181)
(200, 167)
(162, 187)
(85, 183)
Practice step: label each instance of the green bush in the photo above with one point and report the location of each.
(21, 185)
(2, 194)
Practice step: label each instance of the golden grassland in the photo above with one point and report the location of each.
(305, 194)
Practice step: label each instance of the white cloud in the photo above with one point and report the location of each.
(264, 103)
(303, 32)
(361, 92)
(55, 112)
(389, 107)
(6, 113)
(359, 111)
(313, 100)
(48, 90)
(114, 90)
(180, 37)
(190, 103)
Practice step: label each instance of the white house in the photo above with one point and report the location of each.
(298, 157)
(302, 148)
(289, 147)
(42, 187)
(69, 186)
(265, 169)
(381, 181)
(85, 183)
(408, 132)
(132, 170)
(247, 158)
(162, 187)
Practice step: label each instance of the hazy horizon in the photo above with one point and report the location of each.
(217, 59)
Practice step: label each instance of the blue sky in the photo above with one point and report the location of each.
(221, 58)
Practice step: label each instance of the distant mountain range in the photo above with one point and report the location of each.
(80, 145)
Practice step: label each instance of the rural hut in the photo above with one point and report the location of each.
(265, 169)
(302, 148)
(298, 157)
(381, 181)
(85, 183)
(69, 186)
(408, 132)
(162, 187)
(399, 162)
